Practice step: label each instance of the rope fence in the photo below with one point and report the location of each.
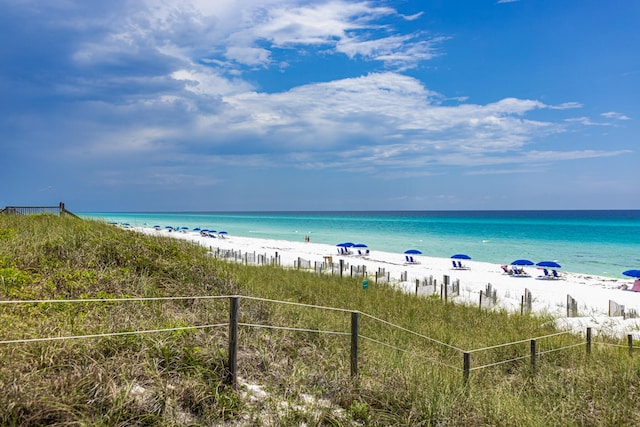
(354, 333)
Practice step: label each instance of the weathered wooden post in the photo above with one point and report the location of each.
(533, 356)
(341, 266)
(588, 340)
(480, 299)
(417, 285)
(445, 279)
(232, 369)
(466, 367)
(354, 343)
(630, 342)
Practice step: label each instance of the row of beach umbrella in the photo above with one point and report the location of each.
(185, 229)
(417, 252)
(544, 264)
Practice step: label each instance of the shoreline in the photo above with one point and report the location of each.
(593, 244)
(592, 293)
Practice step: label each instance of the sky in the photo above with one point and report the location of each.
(293, 105)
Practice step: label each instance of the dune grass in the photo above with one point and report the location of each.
(287, 377)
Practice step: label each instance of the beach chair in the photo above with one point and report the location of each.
(505, 269)
(555, 274)
(546, 275)
(453, 261)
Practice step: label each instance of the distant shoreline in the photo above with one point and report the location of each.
(601, 244)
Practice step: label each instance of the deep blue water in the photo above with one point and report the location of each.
(595, 242)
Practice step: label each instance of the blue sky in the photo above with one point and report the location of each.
(251, 105)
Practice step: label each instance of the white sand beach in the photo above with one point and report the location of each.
(592, 293)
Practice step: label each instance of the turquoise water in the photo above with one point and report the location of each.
(594, 242)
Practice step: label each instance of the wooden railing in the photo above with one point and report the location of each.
(35, 210)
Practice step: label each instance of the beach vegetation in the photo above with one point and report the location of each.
(293, 360)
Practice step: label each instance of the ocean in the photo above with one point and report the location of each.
(604, 243)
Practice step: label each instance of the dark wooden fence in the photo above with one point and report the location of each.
(36, 210)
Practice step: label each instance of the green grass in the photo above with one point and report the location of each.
(177, 377)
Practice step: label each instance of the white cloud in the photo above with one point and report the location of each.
(566, 106)
(586, 121)
(193, 57)
(203, 81)
(614, 115)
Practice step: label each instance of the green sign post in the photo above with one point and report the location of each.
(365, 284)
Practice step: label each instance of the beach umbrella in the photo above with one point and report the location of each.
(359, 245)
(461, 256)
(222, 232)
(345, 244)
(196, 229)
(632, 273)
(413, 252)
(522, 262)
(549, 264)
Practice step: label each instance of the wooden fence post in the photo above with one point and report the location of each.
(354, 343)
(466, 367)
(533, 356)
(630, 342)
(232, 369)
(588, 340)
(446, 285)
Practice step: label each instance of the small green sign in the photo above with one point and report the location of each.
(365, 284)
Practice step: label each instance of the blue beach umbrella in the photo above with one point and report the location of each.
(632, 273)
(345, 244)
(522, 262)
(222, 232)
(359, 245)
(196, 229)
(412, 252)
(549, 264)
(460, 256)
